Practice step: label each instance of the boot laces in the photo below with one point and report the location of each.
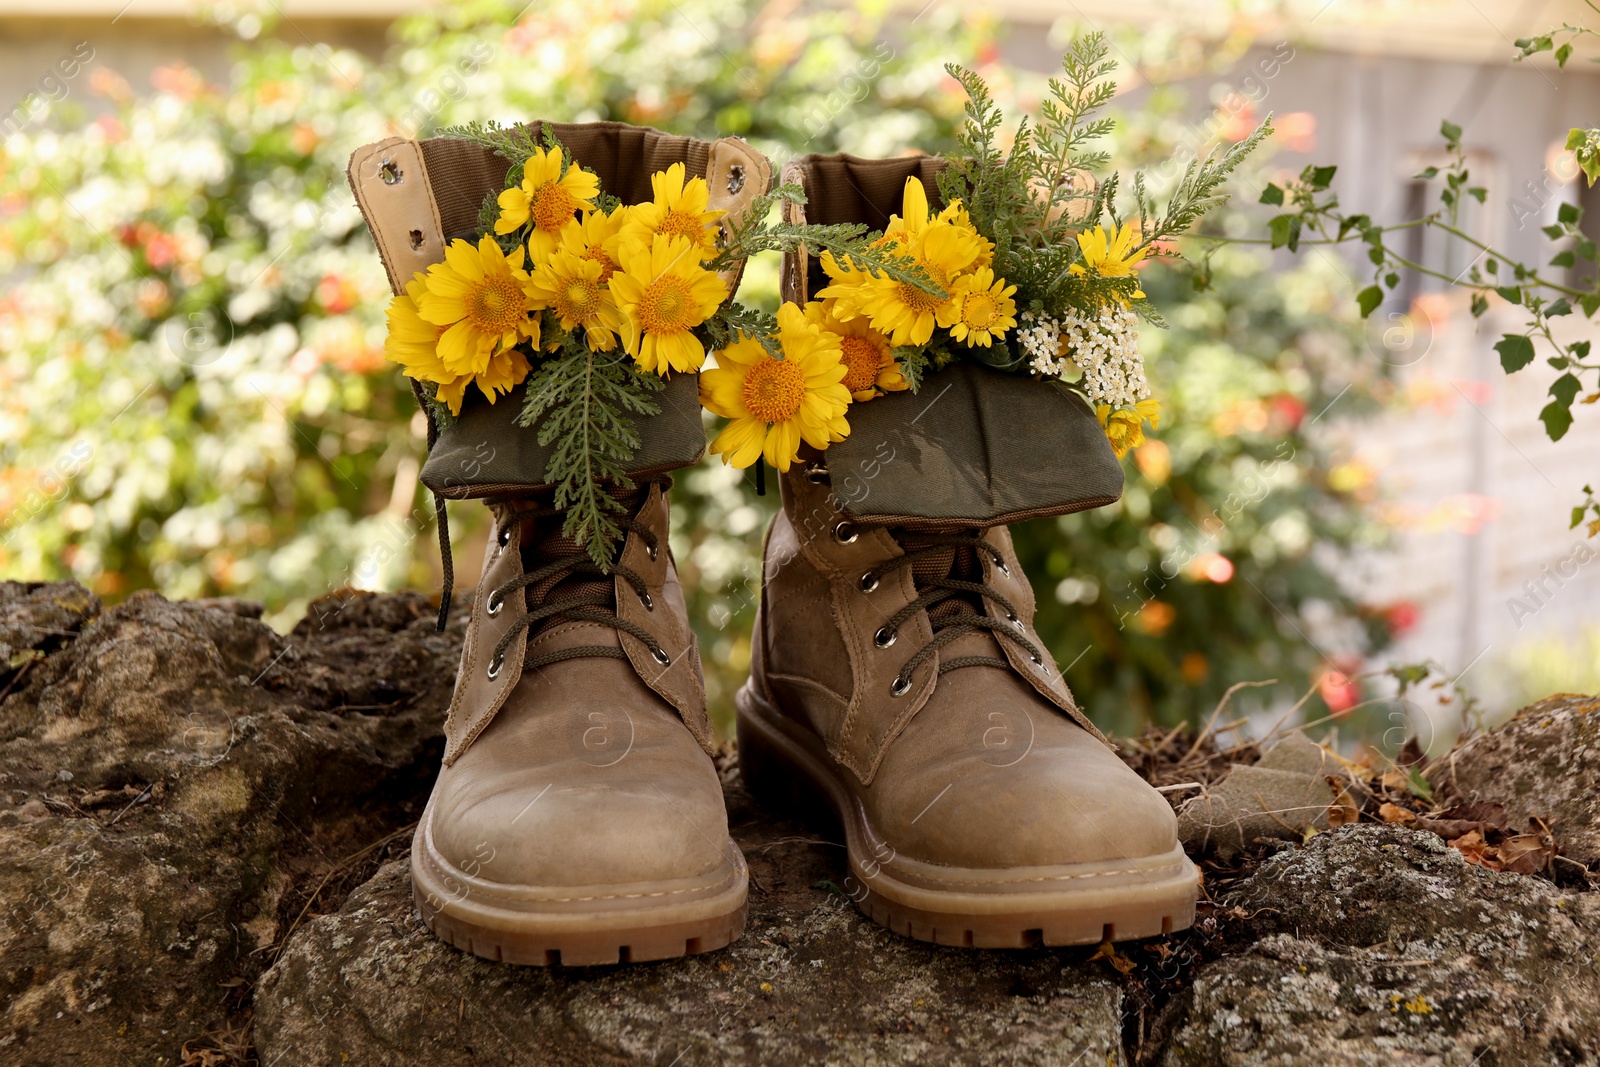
(953, 603)
(567, 585)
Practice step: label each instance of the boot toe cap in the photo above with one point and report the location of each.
(588, 829)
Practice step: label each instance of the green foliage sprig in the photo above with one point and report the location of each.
(583, 402)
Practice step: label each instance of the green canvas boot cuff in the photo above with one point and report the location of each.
(972, 445)
(419, 195)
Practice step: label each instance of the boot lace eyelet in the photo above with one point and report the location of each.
(816, 474)
(1000, 565)
(649, 605)
(494, 604)
(1012, 618)
(494, 667)
(844, 533)
(654, 551)
(1037, 662)
(504, 536)
(869, 582)
(660, 656)
(899, 687)
(884, 637)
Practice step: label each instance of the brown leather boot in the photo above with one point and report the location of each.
(895, 673)
(578, 818)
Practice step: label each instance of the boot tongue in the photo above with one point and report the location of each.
(944, 561)
(543, 543)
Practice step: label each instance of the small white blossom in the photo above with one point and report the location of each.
(1103, 346)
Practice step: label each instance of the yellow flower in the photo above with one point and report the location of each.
(869, 364)
(774, 404)
(1111, 255)
(981, 309)
(481, 296)
(596, 236)
(663, 292)
(904, 228)
(1125, 426)
(413, 342)
(678, 210)
(547, 197)
(903, 311)
(570, 286)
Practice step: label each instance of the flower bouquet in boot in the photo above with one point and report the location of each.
(896, 677)
(557, 288)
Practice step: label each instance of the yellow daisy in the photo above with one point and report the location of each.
(412, 341)
(981, 309)
(1125, 427)
(663, 293)
(774, 404)
(1111, 255)
(900, 310)
(596, 236)
(915, 217)
(571, 287)
(869, 365)
(481, 296)
(678, 210)
(547, 197)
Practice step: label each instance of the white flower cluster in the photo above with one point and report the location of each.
(1105, 348)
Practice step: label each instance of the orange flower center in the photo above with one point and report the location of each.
(552, 207)
(774, 389)
(667, 305)
(684, 224)
(496, 305)
(861, 361)
(597, 253)
(924, 303)
(979, 311)
(578, 300)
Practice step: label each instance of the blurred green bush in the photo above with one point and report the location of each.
(193, 396)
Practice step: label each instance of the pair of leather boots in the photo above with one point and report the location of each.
(896, 681)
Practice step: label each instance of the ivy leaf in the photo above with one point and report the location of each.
(1577, 516)
(1272, 194)
(1450, 130)
(1516, 352)
(1285, 231)
(1558, 308)
(1569, 213)
(1563, 54)
(1369, 299)
(1565, 388)
(1509, 293)
(1557, 419)
(1480, 304)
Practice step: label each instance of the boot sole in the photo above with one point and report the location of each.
(787, 767)
(543, 926)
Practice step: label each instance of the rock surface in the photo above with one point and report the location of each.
(1544, 763)
(168, 781)
(203, 829)
(1382, 945)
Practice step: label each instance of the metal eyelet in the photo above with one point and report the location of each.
(1012, 618)
(649, 605)
(844, 533)
(660, 656)
(817, 474)
(900, 686)
(884, 637)
(504, 536)
(1037, 662)
(494, 667)
(869, 582)
(1000, 565)
(654, 551)
(494, 603)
